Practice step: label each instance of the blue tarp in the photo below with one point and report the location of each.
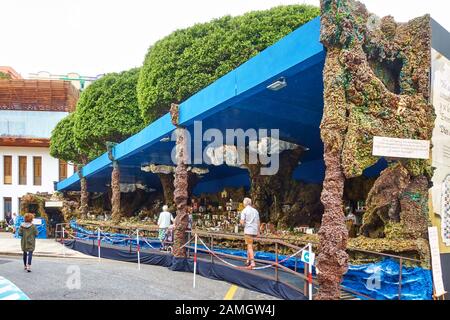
(42, 228)
(114, 238)
(377, 280)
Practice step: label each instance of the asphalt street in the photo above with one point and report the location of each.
(69, 279)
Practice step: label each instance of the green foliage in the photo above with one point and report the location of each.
(4, 76)
(107, 111)
(188, 60)
(62, 142)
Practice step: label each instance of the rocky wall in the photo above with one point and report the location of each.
(376, 79)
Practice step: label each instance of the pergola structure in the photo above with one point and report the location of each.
(240, 99)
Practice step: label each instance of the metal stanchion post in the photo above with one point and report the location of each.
(138, 249)
(63, 242)
(276, 261)
(400, 276)
(212, 244)
(310, 293)
(195, 258)
(98, 243)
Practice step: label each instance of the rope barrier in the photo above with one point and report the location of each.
(258, 268)
(102, 236)
(145, 240)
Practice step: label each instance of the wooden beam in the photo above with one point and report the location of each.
(24, 142)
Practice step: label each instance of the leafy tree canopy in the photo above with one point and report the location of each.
(107, 111)
(188, 60)
(62, 142)
(4, 76)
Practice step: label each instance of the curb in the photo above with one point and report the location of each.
(45, 255)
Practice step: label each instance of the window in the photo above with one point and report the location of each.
(7, 169)
(37, 171)
(62, 170)
(22, 170)
(7, 208)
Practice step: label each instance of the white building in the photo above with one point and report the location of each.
(29, 111)
(78, 81)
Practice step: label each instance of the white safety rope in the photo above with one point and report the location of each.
(258, 268)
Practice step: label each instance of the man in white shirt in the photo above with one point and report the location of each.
(250, 221)
(164, 221)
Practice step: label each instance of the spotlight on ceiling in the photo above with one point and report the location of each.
(278, 85)
(165, 139)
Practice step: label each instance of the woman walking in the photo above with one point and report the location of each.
(28, 232)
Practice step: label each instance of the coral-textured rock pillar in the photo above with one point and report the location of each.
(181, 184)
(116, 212)
(84, 196)
(332, 261)
(376, 78)
(115, 188)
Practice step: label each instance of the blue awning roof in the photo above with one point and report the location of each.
(239, 99)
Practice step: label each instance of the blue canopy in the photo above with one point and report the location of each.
(240, 99)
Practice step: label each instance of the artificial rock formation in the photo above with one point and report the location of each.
(268, 192)
(181, 184)
(376, 81)
(168, 186)
(397, 206)
(116, 211)
(166, 176)
(84, 198)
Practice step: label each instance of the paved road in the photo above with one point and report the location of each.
(56, 279)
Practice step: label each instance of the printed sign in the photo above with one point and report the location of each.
(401, 148)
(441, 141)
(436, 262)
(308, 258)
(53, 204)
(37, 222)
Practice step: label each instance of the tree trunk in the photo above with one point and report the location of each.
(115, 187)
(181, 185)
(332, 261)
(84, 198)
(167, 183)
(268, 192)
(84, 195)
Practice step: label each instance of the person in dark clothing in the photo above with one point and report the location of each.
(28, 232)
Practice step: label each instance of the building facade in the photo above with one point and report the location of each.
(29, 111)
(78, 81)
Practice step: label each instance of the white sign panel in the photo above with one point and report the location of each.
(401, 148)
(308, 258)
(436, 262)
(441, 141)
(37, 222)
(53, 204)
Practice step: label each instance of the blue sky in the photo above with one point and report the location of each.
(97, 36)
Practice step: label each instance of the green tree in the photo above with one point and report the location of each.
(4, 76)
(188, 60)
(63, 144)
(107, 111)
